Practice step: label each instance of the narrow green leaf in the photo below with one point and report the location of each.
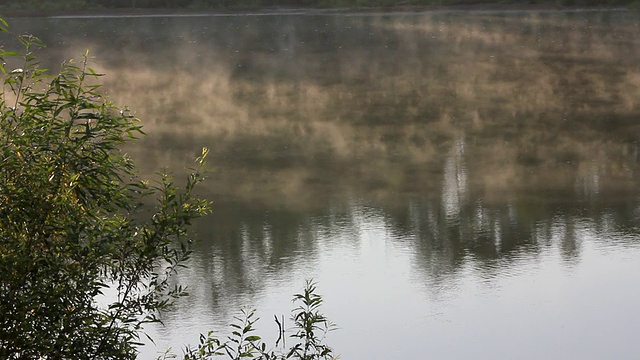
(10, 53)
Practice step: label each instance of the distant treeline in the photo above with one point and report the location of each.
(239, 4)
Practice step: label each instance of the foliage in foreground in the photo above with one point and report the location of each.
(309, 330)
(84, 260)
(72, 221)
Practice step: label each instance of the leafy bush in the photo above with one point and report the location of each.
(85, 261)
(309, 329)
(72, 221)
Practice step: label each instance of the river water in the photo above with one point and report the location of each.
(461, 185)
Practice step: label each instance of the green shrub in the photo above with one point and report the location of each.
(72, 220)
(75, 222)
(309, 330)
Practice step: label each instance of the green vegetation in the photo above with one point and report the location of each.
(72, 221)
(87, 249)
(310, 327)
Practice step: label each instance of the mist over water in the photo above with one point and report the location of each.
(462, 185)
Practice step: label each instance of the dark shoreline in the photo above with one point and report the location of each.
(302, 11)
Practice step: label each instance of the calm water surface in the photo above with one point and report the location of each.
(461, 185)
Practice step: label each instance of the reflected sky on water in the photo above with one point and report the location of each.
(461, 185)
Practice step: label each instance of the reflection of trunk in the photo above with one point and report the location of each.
(454, 185)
